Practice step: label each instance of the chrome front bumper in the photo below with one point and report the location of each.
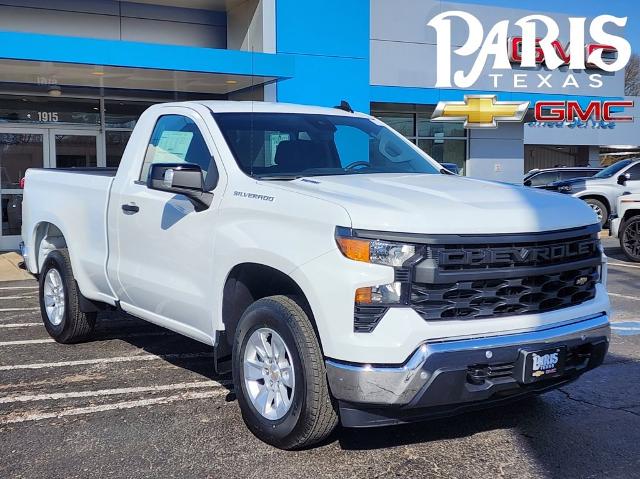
(435, 374)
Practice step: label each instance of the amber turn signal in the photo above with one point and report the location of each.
(354, 248)
(363, 295)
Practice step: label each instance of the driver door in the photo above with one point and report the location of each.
(162, 256)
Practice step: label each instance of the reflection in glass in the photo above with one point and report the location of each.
(116, 141)
(76, 151)
(18, 151)
(446, 151)
(123, 114)
(11, 214)
(403, 123)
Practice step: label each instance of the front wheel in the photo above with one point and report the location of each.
(630, 238)
(279, 375)
(600, 209)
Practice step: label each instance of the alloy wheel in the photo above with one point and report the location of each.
(269, 377)
(54, 297)
(631, 239)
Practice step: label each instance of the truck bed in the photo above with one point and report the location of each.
(75, 200)
(93, 171)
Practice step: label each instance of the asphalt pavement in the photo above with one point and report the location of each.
(141, 401)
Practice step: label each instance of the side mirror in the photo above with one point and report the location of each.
(182, 179)
(622, 179)
(527, 183)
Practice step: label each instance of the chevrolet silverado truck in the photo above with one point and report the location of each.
(625, 225)
(340, 272)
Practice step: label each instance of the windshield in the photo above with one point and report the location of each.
(291, 145)
(609, 171)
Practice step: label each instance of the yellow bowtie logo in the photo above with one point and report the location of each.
(480, 111)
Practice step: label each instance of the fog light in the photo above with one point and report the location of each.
(382, 294)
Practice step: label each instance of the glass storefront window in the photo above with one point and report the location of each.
(446, 151)
(48, 110)
(445, 142)
(76, 151)
(403, 123)
(18, 152)
(123, 114)
(11, 214)
(115, 142)
(427, 128)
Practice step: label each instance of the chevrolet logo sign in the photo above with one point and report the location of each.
(480, 111)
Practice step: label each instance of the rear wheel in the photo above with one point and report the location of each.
(279, 375)
(60, 301)
(630, 238)
(600, 209)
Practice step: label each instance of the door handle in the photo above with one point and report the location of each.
(130, 208)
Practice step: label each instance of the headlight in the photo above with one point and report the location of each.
(373, 251)
(565, 189)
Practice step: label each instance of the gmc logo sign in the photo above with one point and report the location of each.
(609, 53)
(508, 256)
(571, 110)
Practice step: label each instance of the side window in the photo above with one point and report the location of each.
(177, 139)
(544, 178)
(634, 172)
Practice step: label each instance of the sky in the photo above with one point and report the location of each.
(582, 8)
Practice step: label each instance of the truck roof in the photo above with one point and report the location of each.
(227, 106)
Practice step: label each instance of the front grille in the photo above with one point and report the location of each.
(504, 297)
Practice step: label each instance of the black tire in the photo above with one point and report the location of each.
(600, 209)
(75, 326)
(629, 235)
(312, 415)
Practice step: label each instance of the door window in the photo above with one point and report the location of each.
(634, 172)
(544, 178)
(177, 139)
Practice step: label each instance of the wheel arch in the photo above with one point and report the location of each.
(47, 237)
(596, 196)
(248, 282)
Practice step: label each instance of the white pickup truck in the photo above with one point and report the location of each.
(625, 225)
(347, 274)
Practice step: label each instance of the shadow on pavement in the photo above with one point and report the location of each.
(589, 428)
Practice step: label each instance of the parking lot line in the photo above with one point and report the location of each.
(19, 325)
(39, 416)
(122, 336)
(110, 392)
(616, 295)
(26, 341)
(119, 359)
(7, 310)
(624, 265)
(29, 296)
(8, 288)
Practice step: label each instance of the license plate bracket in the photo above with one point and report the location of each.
(541, 364)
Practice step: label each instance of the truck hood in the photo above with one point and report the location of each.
(445, 204)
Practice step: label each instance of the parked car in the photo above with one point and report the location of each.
(329, 261)
(452, 167)
(625, 225)
(602, 191)
(545, 177)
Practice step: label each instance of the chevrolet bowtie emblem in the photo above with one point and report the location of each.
(480, 111)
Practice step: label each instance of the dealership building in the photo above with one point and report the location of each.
(75, 76)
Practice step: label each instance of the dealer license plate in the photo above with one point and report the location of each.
(543, 364)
